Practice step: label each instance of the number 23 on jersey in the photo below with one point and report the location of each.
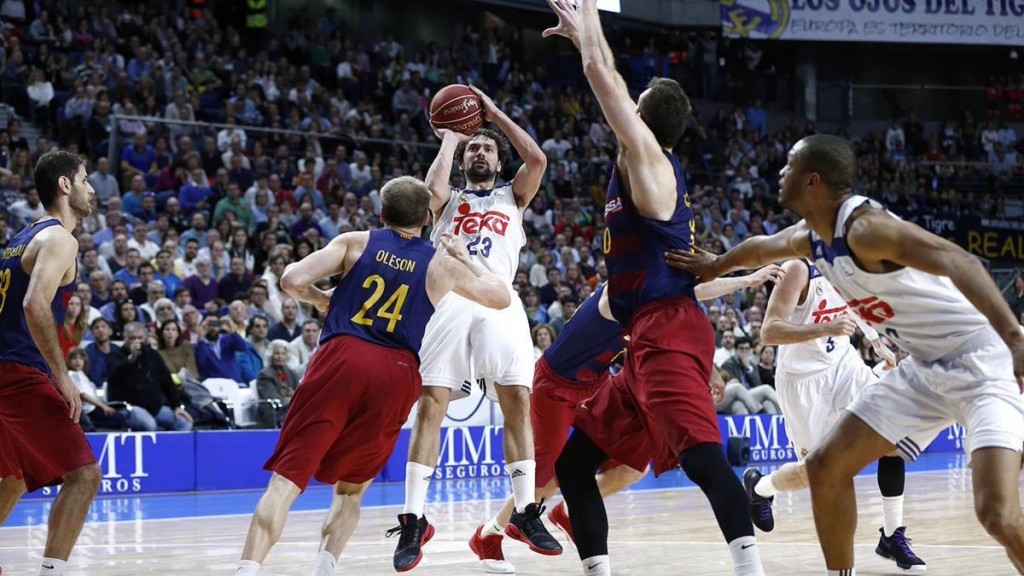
(391, 310)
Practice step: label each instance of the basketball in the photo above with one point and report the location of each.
(456, 107)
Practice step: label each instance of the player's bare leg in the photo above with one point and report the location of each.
(848, 448)
(339, 525)
(996, 499)
(413, 529)
(267, 523)
(11, 490)
(525, 523)
(69, 509)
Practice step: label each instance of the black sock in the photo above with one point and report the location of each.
(575, 468)
(706, 465)
(892, 476)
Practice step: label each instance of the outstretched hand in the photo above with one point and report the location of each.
(568, 21)
(772, 273)
(699, 262)
(455, 247)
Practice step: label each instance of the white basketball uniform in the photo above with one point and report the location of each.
(816, 380)
(465, 341)
(959, 370)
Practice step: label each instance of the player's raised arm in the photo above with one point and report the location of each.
(462, 275)
(55, 255)
(721, 286)
(876, 237)
(777, 329)
(793, 242)
(652, 180)
(299, 277)
(527, 180)
(440, 172)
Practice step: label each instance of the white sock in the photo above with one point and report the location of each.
(597, 566)
(324, 566)
(247, 568)
(523, 475)
(492, 527)
(843, 572)
(417, 481)
(765, 488)
(746, 560)
(892, 514)
(52, 567)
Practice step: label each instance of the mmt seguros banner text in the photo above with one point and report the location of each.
(989, 22)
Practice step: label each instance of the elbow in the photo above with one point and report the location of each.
(499, 298)
(536, 158)
(769, 334)
(290, 282)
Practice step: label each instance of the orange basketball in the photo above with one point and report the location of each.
(456, 108)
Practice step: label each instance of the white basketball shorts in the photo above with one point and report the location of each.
(811, 405)
(973, 386)
(465, 341)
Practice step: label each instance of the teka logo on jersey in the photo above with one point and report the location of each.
(873, 310)
(471, 452)
(825, 314)
(468, 222)
(768, 439)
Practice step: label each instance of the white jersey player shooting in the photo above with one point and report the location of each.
(494, 344)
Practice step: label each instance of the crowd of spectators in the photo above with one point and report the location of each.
(193, 225)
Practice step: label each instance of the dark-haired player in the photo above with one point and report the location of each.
(41, 443)
(659, 406)
(570, 371)
(936, 302)
(361, 383)
(494, 344)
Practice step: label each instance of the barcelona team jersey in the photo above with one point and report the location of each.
(635, 246)
(588, 344)
(383, 298)
(16, 344)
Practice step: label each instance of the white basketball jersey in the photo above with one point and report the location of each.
(490, 223)
(924, 314)
(823, 304)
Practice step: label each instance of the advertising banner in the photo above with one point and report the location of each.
(997, 240)
(162, 462)
(988, 22)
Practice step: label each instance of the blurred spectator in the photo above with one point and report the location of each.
(99, 350)
(75, 325)
(301, 349)
(217, 349)
(136, 374)
(288, 328)
(95, 412)
(543, 337)
(257, 350)
(177, 353)
(277, 381)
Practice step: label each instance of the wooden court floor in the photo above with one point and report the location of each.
(653, 532)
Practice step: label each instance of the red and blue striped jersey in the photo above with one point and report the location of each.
(635, 246)
(16, 343)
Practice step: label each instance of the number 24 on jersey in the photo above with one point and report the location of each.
(391, 310)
